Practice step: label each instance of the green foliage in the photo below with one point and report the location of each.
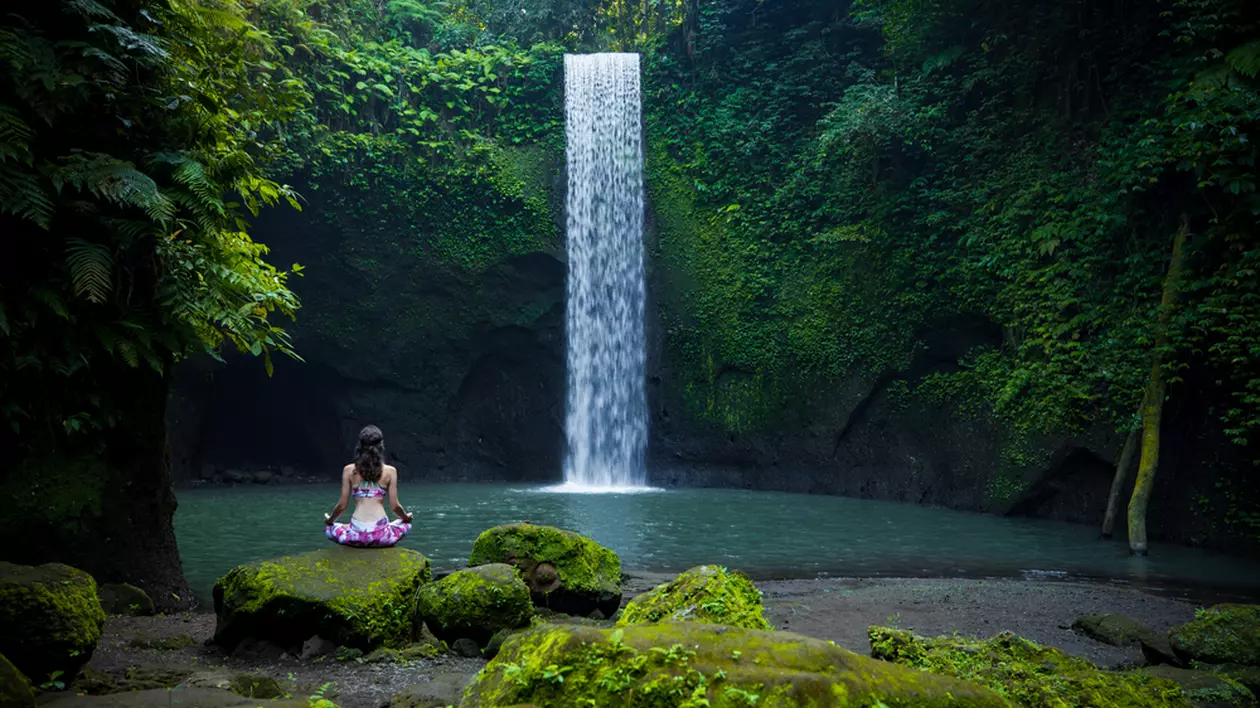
(705, 593)
(1024, 672)
(130, 155)
(828, 188)
(421, 140)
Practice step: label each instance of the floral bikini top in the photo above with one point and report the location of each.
(368, 490)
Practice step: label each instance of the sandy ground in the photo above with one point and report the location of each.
(838, 609)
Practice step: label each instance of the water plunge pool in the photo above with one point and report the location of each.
(765, 534)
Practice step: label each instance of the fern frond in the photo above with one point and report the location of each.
(15, 137)
(127, 350)
(22, 195)
(91, 8)
(131, 230)
(1245, 59)
(91, 266)
(145, 47)
(116, 181)
(1213, 77)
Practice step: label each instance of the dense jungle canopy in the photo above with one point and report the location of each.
(827, 181)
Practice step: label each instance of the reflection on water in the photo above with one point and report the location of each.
(766, 534)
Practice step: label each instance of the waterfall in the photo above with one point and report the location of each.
(606, 407)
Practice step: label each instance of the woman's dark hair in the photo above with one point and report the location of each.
(369, 454)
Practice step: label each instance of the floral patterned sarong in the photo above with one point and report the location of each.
(383, 534)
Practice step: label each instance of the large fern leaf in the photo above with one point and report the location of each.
(22, 195)
(91, 267)
(15, 137)
(114, 180)
(91, 8)
(1245, 59)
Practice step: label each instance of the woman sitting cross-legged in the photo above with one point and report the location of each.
(368, 480)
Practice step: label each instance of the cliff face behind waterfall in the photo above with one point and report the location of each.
(797, 338)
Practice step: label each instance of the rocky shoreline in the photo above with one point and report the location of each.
(353, 628)
(835, 609)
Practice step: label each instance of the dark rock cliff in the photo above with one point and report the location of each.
(466, 375)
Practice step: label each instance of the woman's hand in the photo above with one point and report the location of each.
(328, 520)
(405, 517)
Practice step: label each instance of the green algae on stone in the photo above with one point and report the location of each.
(15, 689)
(565, 571)
(706, 593)
(1204, 689)
(359, 598)
(1027, 673)
(692, 664)
(475, 603)
(52, 619)
(1224, 634)
(125, 599)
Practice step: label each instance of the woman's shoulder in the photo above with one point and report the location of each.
(390, 470)
(347, 470)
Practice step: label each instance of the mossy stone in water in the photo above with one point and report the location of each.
(1204, 689)
(15, 689)
(125, 599)
(706, 593)
(565, 571)
(475, 603)
(355, 597)
(672, 664)
(1224, 634)
(1027, 673)
(52, 619)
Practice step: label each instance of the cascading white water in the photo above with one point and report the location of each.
(606, 413)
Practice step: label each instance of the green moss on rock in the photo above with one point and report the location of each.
(255, 685)
(15, 689)
(1113, 629)
(1224, 634)
(677, 664)
(52, 619)
(125, 599)
(565, 571)
(475, 603)
(1206, 690)
(706, 593)
(360, 598)
(1025, 672)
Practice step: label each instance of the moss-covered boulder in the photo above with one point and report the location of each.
(125, 599)
(52, 619)
(1203, 689)
(15, 689)
(671, 664)
(1224, 634)
(355, 597)
(706, 593)
(256, 685)
(565, 571)
(1248, 676)
(1028, 674)
(1113, 629)
(475, 603)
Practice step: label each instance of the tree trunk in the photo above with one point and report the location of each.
(106, 509)
(1153, 405)
(1117, 482)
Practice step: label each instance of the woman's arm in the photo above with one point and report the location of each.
(344, 501)
(394, 505)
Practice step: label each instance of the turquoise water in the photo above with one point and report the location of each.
(766, 534)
